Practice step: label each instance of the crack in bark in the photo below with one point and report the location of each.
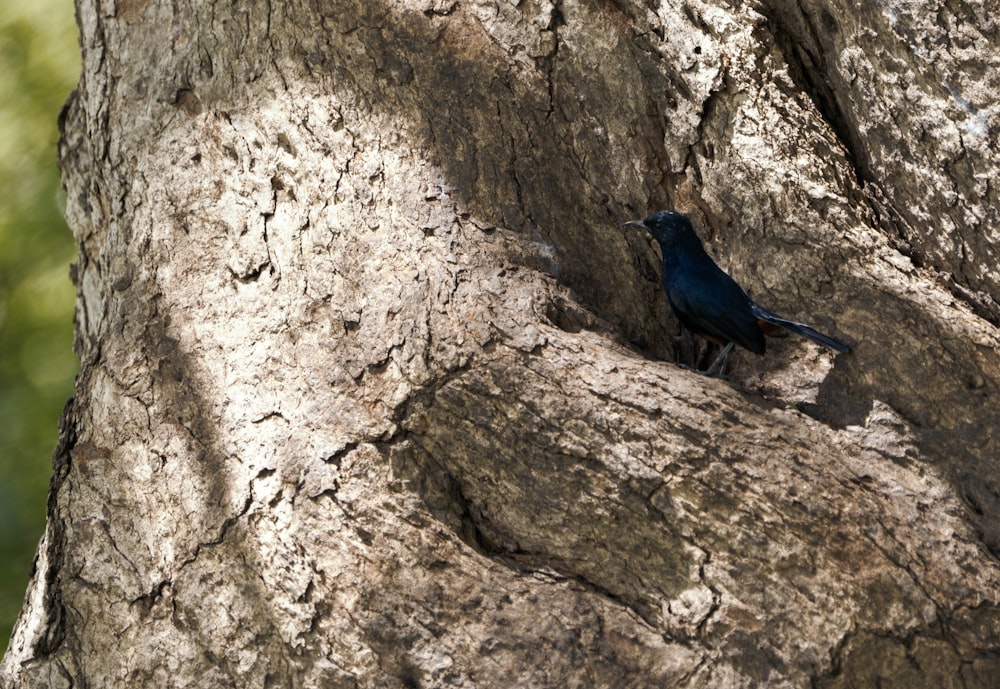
(54, 629)
(807, 62)
(224, 529)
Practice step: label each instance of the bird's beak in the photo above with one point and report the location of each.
(636, 223)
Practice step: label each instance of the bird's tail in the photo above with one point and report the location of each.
(799, 328)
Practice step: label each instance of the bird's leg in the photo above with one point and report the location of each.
(719, 360)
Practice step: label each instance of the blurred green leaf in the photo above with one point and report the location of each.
(39, 65)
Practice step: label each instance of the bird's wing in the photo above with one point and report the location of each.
(711, 304)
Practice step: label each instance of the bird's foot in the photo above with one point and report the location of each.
(719, 361)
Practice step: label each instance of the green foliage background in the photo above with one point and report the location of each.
(39, 66)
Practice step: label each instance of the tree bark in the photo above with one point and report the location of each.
(375, 392)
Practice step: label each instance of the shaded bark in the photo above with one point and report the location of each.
(376, 393)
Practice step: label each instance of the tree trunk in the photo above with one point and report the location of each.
(377, 393)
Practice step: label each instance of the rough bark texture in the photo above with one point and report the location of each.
(376, 393)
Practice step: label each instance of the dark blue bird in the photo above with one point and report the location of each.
(707, 301)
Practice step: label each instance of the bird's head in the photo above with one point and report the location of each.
(669, 228)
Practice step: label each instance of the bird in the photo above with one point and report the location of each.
(707, 301)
